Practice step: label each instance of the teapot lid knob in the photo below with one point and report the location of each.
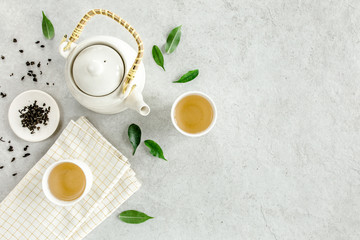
(95, 68)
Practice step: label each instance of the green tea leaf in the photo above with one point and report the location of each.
(187, 77)
(133, 217)
(173, 40)
(155, 149)
(47, 27)
(158, 57)
(134, 133)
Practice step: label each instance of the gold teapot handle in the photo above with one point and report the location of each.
(77, 31)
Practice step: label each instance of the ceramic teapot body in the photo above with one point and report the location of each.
(104, 73)
(111, 102)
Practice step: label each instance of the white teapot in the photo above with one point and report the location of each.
(100, 71)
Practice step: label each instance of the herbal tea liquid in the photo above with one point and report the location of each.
(67, 181)
(193, 114)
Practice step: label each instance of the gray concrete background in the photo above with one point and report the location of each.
(283, 159)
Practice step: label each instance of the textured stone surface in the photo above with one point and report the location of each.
(283, 159)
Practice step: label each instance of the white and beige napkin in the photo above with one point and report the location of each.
(26, 213)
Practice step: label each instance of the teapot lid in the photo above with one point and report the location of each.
(98, 70)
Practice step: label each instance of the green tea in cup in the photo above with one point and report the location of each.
(67, 181)
(193, 114)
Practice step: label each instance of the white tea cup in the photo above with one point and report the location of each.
(88, 182)
(196, 93)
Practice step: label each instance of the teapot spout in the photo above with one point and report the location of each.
(136, 102)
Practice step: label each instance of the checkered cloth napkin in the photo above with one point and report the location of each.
(27, 214)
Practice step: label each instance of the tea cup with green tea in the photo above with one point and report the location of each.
(66, 182)
(193, 114)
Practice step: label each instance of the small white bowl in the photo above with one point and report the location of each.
(199, 94)
(26, 98)
(45, 184)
